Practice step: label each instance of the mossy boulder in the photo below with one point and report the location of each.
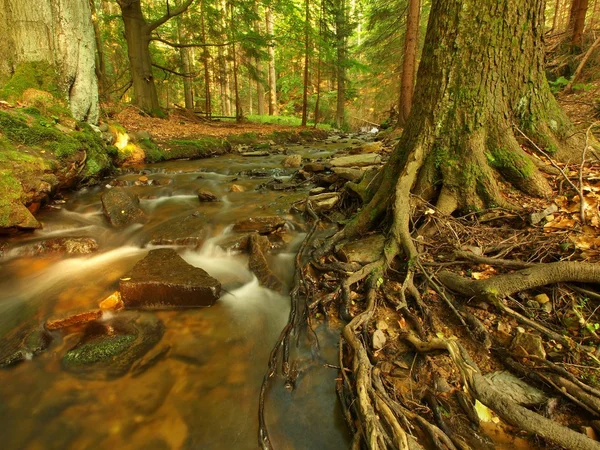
(38, 75)
(188, 149)
(108, 349)
(22, 344)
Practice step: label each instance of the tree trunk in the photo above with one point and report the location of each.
(306, 60)
(238, 106)
(137, 35)
(555, 17)
(340, 31)
(58, 32)
(577, 23)
(320, 61)
(273, 110)
(409, 65)
(459, 140)
(186, 67)
(100, 63)
(260, 88)
(205, 63)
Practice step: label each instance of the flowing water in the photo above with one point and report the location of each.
(204, 393)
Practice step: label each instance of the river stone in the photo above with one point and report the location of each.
(528, 344)
(314, 167)
(63, 246)
(363, 251)
(258, 264)
(188, 231)
(206, 196)
(256, 153)
(262, 225)
(292, 161)
(519, 391)
(325, 201)
(356, 160)
(368, 147)
(348, 173)
(108, 349)
(21, 344)
(122, 208)
(163, 280)
(15, 216)
(73, 320)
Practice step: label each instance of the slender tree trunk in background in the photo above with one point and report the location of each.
(409, 65)
(186, 66)
(205, 63)
(320, 61)
(60, 33)
(100, 64)
(577, 23)
(225, 87)
(273, 110)
(556, 15)
(260, 88)
(250, 92)
(594, 15)
(306, 61)
(239, 115)
(340, 32)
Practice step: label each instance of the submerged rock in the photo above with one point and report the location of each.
(164, 280)
(63, 246)
(109, 349)
(122, 208)
(262, 225)
(187, 231)
(22, 344)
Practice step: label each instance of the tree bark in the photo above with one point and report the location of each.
(260, 88)
(186, 67)
(238, 105)
(273, 110)
(459, 141)
(577, 23)
(306, 61)
(340, 36)
(409, 65)
(61, 33)
(205, 63)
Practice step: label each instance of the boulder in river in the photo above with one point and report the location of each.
(262, 225)
(314, 167)
(74, 320)
(164, 280)
(108, 349)
(122, 208)
(348, 173)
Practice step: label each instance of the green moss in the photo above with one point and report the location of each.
(37, 75)
(153, 152)
(197, 148)
(243, 139)
(101, 350)
(512, 164)
(18, 131)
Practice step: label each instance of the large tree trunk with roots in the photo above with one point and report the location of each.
(481, 85)
(60, 33)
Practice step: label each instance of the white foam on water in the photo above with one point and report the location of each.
(152, 203)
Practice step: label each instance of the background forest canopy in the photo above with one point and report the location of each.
(339, 62)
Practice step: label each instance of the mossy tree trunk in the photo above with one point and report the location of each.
(57, 32)
(138, 34)
(481, 76)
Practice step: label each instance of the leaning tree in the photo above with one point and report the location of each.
(481, 90)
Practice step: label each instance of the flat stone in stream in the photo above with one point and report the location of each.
(108, 349)
(262, 225)
(206, 196)
(164, 280)
(122, 208)
(366, 159)
(189, 231)
(63, 246)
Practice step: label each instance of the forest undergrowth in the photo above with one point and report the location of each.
(487, 334)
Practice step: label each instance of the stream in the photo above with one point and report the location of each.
(201, 391)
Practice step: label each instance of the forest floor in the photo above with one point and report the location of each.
(533, 352)
(182, 125)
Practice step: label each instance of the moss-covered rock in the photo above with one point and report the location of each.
(192, 148)
(109, 349)
(39, 75)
